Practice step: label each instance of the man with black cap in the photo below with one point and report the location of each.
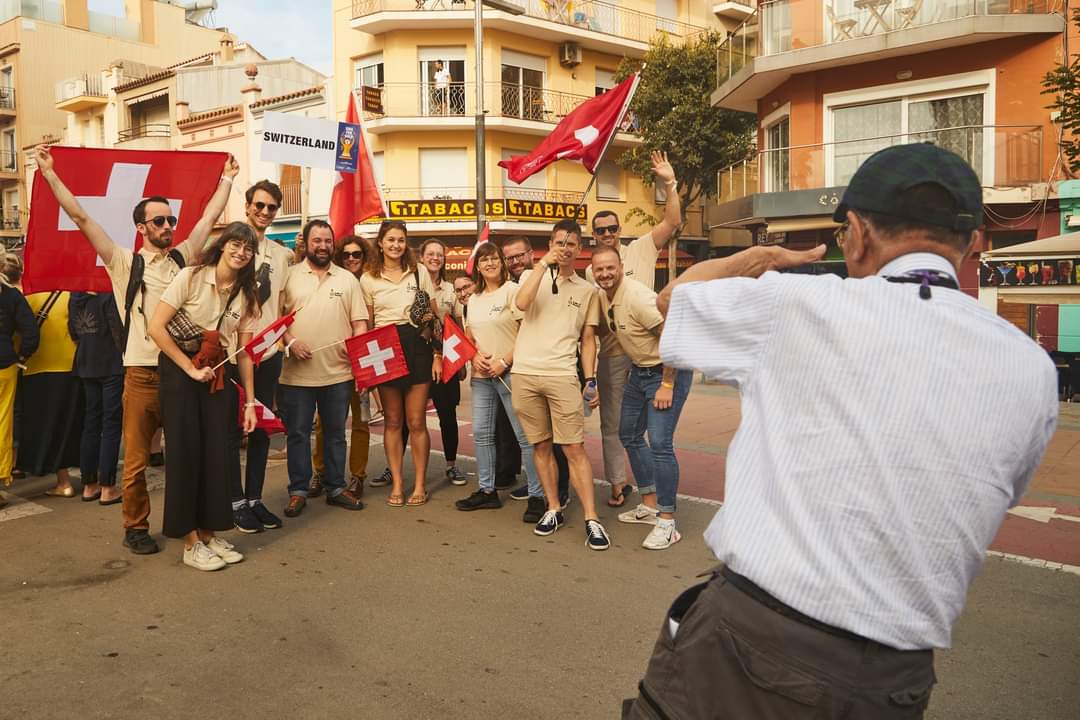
(871, 469)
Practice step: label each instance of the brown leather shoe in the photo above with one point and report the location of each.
(315, 487)
(346, 499)
(295, 506)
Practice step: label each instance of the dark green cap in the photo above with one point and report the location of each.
(877, 184)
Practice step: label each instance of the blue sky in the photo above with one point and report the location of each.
(276, 28)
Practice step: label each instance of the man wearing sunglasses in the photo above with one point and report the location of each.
(271, 263)
(639, 263)
(155, 222)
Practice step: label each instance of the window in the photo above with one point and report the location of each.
(379, 168)
(445, 94)
(9, 155)
(667, 11)
(10, 211)
(523, 85)
(605, 80)
(369, 71)
(608, 181)
(534, 187)
(875, 122)
(445, 173)
(777, 156)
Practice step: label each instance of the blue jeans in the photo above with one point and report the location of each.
(487, 394)
(99, 450)
(298, 405)
(654, 465)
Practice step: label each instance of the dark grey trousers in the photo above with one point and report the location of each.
(734, 657)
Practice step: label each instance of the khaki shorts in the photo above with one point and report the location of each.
(549, 408)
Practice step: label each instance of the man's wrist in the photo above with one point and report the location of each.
(226, 178)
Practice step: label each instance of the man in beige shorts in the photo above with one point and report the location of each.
(559, 311)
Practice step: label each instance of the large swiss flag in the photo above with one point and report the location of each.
(355, 196)
(108, 184)
(583, 135)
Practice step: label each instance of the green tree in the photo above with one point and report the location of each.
(1063, 82)
(672, 107)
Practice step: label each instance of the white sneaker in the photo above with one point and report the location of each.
(200, 557)
(641, 514)
(663, 536)
(224, 550)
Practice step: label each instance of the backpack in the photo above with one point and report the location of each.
(135, 284)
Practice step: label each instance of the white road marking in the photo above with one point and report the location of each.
(20, 508)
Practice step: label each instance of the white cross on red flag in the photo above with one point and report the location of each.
(108, 184)
(376, 357)
(456, 349)
(261, 344)
(266, 420)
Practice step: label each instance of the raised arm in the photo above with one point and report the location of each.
(103, 245)
(201, 232)
(526, 294)
(665, 174)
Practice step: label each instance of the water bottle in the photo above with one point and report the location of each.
(589, 395)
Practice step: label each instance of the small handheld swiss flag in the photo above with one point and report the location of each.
(266, 420)
(456, 348)
(260, 345)
(376, 357)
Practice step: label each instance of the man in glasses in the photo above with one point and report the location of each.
(653, 398)
(639, 263)
(271, 263)
(546, 394)
(155, 222)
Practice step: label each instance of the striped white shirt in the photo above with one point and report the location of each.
(883, 438)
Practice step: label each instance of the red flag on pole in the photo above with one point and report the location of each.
(266, 420)
(261, 344)
(480, 240)
(457, 350)
(376, 357)
(108, 184)
(583, 135)
(356, 196)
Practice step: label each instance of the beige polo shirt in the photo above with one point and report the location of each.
(446, 300)
(195, 291)
(639, 262)
(327, 310)
(494, 319)
(636, 319)
(160, 270)
(547, 340)
(278, 258)
(391, 300)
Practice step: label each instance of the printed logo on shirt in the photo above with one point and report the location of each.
(571, 302)
(496, 309)
(336, 293)
(234, 314)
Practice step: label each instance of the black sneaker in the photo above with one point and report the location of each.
(269, 520)
(596, 536)
(536, 509)
(479, 500)
(315, 486)
(140, 542)
(383, 480)
(520, 493)
(549, 523)
(157, 460)
(245, 521)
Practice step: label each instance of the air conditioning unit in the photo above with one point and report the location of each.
(569, 54)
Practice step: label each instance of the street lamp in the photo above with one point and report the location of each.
(509, 7)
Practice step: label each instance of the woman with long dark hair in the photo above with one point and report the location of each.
(492, 326)
(397, 293)
(16, 317)
(352, 255)
(200, 312)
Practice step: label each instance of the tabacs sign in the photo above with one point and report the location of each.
(501, 209)
(310, 142)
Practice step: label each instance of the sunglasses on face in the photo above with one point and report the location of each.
(160, 220)
(268, 207)
(606, 230)
(611, 318)
(353, 255)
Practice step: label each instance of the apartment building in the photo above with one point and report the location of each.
(833, 81)
(540, 60)
(43, 42)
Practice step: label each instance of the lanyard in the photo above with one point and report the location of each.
(925, 278)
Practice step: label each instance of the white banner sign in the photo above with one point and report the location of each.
(309, 142)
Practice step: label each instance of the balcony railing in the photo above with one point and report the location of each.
(10, 220)
(79, 86)
(152, 130)
(9, 161)
(781, 26)
(1001, 155)
(601, 17)
(47, 10)
(737, 181)
(507, 100)
(7, 98)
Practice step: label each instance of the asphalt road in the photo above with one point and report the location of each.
(419, 613)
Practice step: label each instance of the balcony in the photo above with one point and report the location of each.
(737, 181)
(7, 102)
(10, 222)
(9, 165)
(733, 9)
(46, 10)
(82, 92)
(518, 108)
(593, 24)
(153, 136)
(785, 37)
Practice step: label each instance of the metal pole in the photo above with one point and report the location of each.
(481, 159)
